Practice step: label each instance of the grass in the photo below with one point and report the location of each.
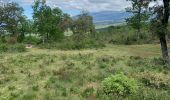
(42, 74)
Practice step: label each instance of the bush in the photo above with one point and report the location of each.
(119, 85)
(32, 40)
(3, 48)
(2, 39)
(73, 45)
(17, 48)
(12, 48)
(128, 38)
(11, 40)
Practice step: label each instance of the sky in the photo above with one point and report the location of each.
(74, 7)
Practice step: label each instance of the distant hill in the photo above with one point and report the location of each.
(109, 17)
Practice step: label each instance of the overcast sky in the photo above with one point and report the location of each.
(73, 7)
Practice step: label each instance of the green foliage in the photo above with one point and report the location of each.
(46, 20)
(3, 48)
(149, 94)
(83, 27)
(119, 85)
(32, 40)
(12, 48)
(88, 92)
(25, 27)
(17, 48)
(124, 35)
(140, 16)
(2, 39)
(78, 75)
(73, 45)
(134, 23)
(128, 38)
(11, 39)
(156, 26)
(11, 14)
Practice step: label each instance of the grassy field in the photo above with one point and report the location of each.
(41, 74)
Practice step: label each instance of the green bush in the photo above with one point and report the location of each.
(119, 85)
(3, 48)
(128, 38)
(17, 48)
(73, 45)
(2, 39)
(32, 40)
(12, 48)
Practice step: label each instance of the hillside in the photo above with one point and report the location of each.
(109, 17)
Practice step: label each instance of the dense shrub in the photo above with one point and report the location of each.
(124, 35)
(73, 45)
(11, 40)
(2, 39)
(12, 48)
(32, 40)
(17, 48)
(3, 48)
(124, 38)
(119, 85)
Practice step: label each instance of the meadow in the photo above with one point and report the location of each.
(47, 74)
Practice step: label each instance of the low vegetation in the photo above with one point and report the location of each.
(57, 57)
(85, 74)
(12, 48)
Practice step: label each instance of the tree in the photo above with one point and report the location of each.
(11, 15)
(140, 15)
(46, 20)
(160, 26)
(25, 27)
(66, 23)
(83, 26)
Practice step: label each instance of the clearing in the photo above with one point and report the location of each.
(41, 74)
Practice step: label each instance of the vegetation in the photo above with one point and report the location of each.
(119, 85)
(140, 10)
(11, 13)
(46, 20)
(80, 74)
(67, 58)
(12, 48)
(83, 27)
(161, 20)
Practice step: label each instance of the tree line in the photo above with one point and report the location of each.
(49, 23)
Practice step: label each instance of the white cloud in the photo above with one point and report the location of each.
(92, 5)
(89, 5)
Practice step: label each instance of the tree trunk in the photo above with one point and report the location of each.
(165, 24)
(139, 21)
(47, 37)
(164, 48)
(43, 39)
(138, 34)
